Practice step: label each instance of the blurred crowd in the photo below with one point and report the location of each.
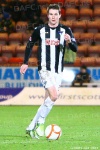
(13, 11)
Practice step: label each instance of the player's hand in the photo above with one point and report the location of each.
(23, 68)
(67, 38)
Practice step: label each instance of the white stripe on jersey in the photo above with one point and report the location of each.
(62, 36)
(52, 50)
(62, 43)
(43, 49)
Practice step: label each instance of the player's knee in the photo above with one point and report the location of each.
(54, 97)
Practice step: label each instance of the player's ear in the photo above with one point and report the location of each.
(60, 16)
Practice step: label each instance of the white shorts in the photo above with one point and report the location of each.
(49, 79)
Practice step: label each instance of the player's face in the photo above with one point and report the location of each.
(53, 16)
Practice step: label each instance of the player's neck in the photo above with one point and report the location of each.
(53, 25)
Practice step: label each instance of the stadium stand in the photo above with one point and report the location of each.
(25, 37)
(21, 26)
(77, 37)
(0, 49)
(96, 3)
(71, 3)
(96, 13)
(33, 61)
(8, 50)
(41, 2)
(68, 23)
(82, 16)
(86, 38)
(94, 51)
(15, 38)
(85, 13)
(60, 2)
(77, 62)
(93, 26)
(85, 3)
(15, 61)
(20, 50)
(97, 38)
(3, 38)
(88, 61)
(97, 62)
(44, 14)
(82, 51)
(79, 26)
(71, 14)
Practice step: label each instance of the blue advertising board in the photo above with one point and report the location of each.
(10, 77)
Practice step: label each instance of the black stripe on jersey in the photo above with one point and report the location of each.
(47, 36)
(39, 57)
(57, 49)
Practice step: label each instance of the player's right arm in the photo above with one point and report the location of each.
(34, 37)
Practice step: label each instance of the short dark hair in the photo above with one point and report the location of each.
(54, 6)
(84, 67)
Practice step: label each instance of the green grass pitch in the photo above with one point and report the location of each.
(80, 128)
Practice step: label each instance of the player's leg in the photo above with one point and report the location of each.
(51, 94)
(43, 111)
(45, 108)
(50, 97)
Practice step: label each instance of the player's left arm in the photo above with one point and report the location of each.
(70, 40)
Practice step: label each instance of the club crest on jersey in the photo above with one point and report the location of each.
(52, 42)
(60, 32)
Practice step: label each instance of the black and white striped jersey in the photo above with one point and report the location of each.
(51, 46)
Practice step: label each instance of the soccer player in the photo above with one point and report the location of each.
(53, 37)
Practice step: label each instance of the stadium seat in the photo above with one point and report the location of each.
(0, 60)
(44, 1)
(23, 1)
(96, 4)
(86, 13)
(97, 62)
(25, 38)
(85, 3)
(77, 37)
(20, 50)
(68, 23)
(60, 2)
(71, 14)
(62, 14)
(4, 61)
(93, 26)
(3, 38)
(79, 26)
(96, 13)
(77, 62)
(88, 61)
(97, 38)
(44, 14)
(0, 50)
(8, 50)
(94, 51)
(71, 3)
(15, 38)
(82, 50)
(34, 51)
(15, 61)
(86, 38)
(21, 26)
(33, 61)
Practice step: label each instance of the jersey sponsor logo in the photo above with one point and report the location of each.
(52, 42)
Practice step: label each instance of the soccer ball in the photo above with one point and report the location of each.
(53, 132)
